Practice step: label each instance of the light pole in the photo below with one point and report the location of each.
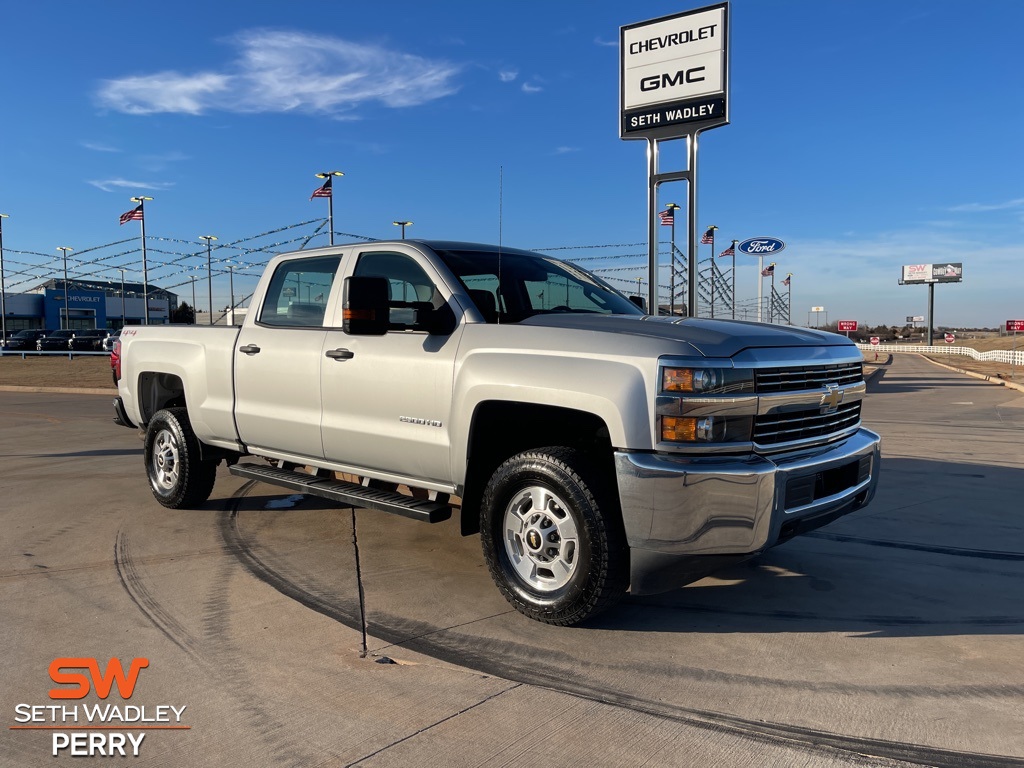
(121, 270)
(141, 200)
(231, 282)
(771, 294)
(209, 274)
(193, 279)
(3, 295)
(327, 190)
(67, 315)
(403, 225)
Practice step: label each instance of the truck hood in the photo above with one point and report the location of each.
(712, 338)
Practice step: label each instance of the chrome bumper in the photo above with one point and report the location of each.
(685, 515)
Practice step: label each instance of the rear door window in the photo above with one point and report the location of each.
(298, 292)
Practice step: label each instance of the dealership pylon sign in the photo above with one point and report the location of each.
(674, 83)
(674, 74)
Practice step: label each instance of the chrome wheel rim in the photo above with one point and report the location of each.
(541, 539)
(165, 463)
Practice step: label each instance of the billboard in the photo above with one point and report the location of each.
(915, 318)
(932, 273)
(847, 325)
(673, 74)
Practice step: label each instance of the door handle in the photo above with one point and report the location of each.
(249, 349)
(340, 354)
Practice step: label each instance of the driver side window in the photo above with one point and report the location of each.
(408, 284)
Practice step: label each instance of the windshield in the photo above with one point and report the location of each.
(532, 284)
(61, 334)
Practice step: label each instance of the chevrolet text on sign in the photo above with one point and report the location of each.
(673, 71)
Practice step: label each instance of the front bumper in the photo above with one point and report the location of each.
(685, 515)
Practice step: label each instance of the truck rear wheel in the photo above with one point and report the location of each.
(552, 537)
(178, 476)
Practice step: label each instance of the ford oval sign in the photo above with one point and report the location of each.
(761, 246)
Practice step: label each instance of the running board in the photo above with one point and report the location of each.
(348, 494)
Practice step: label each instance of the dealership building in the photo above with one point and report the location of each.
(90, 304)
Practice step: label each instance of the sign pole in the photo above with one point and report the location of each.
(931, 314)
(691, 165)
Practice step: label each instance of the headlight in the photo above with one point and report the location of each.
(705, 381)
(704, 405)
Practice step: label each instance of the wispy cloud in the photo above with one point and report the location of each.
(982, 207)
(159, 162)
(507, 75)
(97, 147)
(566, 150)
(530, 88)
(607, 43)
(110, 185)
(281, 71)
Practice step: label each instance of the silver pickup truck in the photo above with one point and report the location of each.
(595, 448)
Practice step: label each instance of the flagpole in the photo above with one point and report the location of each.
(712, 231)
(672, 208)
(771, 295)
(141, 200)
(209, 272)
(330, 199)
(734, 278)
(789, 298)
(760, 286)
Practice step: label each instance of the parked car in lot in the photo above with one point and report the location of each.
(57, 341)
(26, 339)
(89, 339)
(108, 342)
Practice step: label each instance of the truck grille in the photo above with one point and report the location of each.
(804, 424)
(808, 377)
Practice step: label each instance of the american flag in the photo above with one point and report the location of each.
(135, 214)
(768, 271)
(730, 251)
(786, 281)
(668, 217)
(324, 191)
(709, 237)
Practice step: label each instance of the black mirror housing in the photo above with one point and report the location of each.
(365, 310)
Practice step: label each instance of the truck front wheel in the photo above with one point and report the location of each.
(178, 476)
(552, 537)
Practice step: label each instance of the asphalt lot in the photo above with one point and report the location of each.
(892, 636)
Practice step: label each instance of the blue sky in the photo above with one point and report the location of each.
(866, 135)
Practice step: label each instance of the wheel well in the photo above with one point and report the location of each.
(502, 429)
(158, 391)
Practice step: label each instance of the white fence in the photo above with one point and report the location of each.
(995, 356)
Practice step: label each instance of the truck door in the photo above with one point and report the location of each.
(277, 360)
(387, 399)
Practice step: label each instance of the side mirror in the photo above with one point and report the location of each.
(365, 310)
(639, 301)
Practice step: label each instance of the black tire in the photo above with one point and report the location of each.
(178, 477)
(586, 568)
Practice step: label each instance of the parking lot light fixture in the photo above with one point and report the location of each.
(403, 225)
(209, 273)
(67, 317)
(3, 296)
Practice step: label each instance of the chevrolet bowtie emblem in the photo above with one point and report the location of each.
(831, 399)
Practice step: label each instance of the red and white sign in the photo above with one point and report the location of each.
(847, 325)
(1015, 325)
(950, 338)
(875, 340)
